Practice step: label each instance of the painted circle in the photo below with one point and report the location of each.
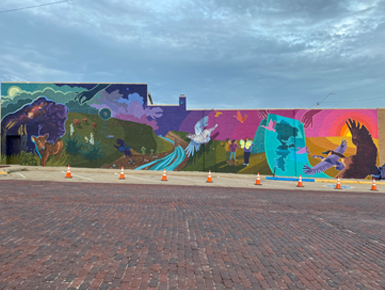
(105, 113)
(13, 91)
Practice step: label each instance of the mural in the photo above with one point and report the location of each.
(112, 125)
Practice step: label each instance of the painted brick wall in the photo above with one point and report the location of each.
(111, 125)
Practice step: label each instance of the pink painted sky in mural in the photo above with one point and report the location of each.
(324, 123)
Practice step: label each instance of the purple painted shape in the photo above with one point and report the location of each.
(107, 100)
(302, 150)
(172, 117)
(130, 108)
(40, 117)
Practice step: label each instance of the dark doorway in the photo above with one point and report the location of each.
(13, 149)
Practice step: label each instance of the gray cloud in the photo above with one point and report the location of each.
(220, 53)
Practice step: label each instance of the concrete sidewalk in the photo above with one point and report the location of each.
(97, 175)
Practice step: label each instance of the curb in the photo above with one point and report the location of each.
(349, 181)
(17, 168)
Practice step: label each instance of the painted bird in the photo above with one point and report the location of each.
(201, 136)
(217, 114)
(123, 148)
(239, 117)
(329, 161)
(364, 161)
(271, 125)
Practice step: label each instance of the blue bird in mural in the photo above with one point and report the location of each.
(123, 148)
(328, 162)
(201, 136)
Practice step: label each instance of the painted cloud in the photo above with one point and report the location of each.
(130, 108)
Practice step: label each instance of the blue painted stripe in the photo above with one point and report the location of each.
(289, 179)
(148, 164)
(342, 186)
(164, 162)
(180, 156)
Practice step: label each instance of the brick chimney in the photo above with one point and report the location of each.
(182, 102)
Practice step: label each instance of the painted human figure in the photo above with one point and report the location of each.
(227, 149)
(247, 145)
(233, 151)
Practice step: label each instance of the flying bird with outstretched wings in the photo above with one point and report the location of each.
(201, 136)
(364, 161)
(271, 125)
(217, 114)
(327, 162)
(240, 118)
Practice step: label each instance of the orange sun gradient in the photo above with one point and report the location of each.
(343, 130)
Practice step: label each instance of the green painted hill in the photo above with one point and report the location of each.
(82, 154)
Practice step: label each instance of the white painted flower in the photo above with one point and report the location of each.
(92, 140)
(72, 130)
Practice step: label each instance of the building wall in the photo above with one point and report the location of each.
(111, 125)
(381, 134)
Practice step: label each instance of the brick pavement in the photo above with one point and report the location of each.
(110, 236)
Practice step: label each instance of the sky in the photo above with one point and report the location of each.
(221, 54)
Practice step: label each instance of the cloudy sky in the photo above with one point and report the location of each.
(219, 53)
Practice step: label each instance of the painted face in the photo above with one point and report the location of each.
(40, 142)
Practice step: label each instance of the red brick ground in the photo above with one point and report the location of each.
(105, 236)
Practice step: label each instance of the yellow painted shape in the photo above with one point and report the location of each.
(347, 181)
(3, 172)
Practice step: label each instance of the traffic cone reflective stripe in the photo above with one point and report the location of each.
(164, 177)
(209, 180)
(68, 175)
(300, 182)
(374, 186)
(338, 186)
(258, 182)
(122, 174)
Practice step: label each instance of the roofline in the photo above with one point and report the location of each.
(74, 83)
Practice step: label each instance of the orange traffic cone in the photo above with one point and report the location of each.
(338, 185)
(374, 186)
(300, 182)
(258, 182)
(68, 175)
(209, 180)
(122, 174)
(164, 177)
